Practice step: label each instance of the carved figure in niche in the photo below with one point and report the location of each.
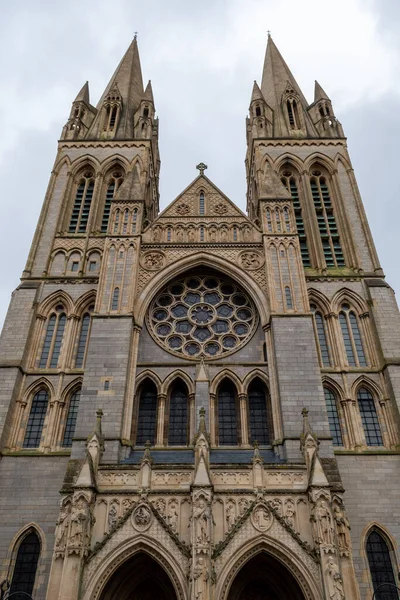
(224, 234)
(142, 516)
(63, 525)
(213, 234)
(289, 512)
(200, 576)
(262, 518)
(230, 515)
(342, 527)
(154, 260)
(179, 234)
(277, 505)
(112, 517)
(157, 234)
(173, 515)
(78, 523)
(201, 515)
(246, 233)
(243, 505)
(191, 234)
(127, 504)
(160, 506)
(324, 524)
(251, 260)
(334, 580)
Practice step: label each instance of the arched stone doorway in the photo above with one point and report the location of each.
(264, 577)
(139, 578)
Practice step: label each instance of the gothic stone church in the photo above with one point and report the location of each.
(200, 403)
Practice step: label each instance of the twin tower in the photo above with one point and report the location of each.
(200, 403)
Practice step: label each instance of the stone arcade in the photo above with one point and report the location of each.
(200, 403)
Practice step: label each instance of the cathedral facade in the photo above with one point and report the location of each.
(200, 403)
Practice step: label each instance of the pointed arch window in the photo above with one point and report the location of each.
(37, 415)
(134, 220)
(147, 414)
(288, 298)
(369, 418)
(321, 334)
(269, 221)
(201, 203)
(328, 230)
(115, 299)
(71, 419)
(178, 415)
(228, 418)
(83, 338)
(293, 114)
(381, 566)
(82, 204)
(333, 417)
(24, 575)
(125, 224)
(289, 181)
(257, 414)
(278, 220)
(113, 184)
(352, 337)
(53, 339)
(287, 219)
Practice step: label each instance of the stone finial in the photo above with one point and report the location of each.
(308, 437)
(202, 422)
(201, 167)
(256, 453)
(146, 454)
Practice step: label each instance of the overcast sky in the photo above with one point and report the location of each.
(202, 58)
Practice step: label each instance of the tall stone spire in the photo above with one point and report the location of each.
(125, 90)
(319, 93)
(148, 93)
(83, 94)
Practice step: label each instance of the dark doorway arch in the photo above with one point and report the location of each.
(264, 577)
(139, 578)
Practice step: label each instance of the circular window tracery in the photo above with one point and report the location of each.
(202, 316)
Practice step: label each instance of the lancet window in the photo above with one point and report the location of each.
(178, 415)
(333, 417)
(327, 226)
(293, 114)
(53, 339)
(258, 413)
(71, 419)
(113, 184)
(381, 566)
(83, 338)
(24, 575)
(319, 323)
(369, 417)
(227, 414)
(115, 299)
(352, 337)
(37, 415)
(290, 182)
(82, 204)
(201, 203)
(147, 414)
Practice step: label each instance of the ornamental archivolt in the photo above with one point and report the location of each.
(204, 316)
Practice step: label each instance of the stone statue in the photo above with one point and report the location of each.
(173, 515)
(160, 506)
(78, 523)
(324, 524)
(179, 234)
(334, 581)
(243, 505)
(62, 526)
(213, 234)
(230, 515)
(342, 527)
(201, 518)
(200, 577)
(290, 512)
(112, 517)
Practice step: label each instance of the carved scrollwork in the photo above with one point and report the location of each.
(251, 260)
(153, 261)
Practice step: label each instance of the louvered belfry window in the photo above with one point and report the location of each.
(113, 184)
(322, 337)
(82, 204)
(352, 337)
(291, 185)
(53, 339)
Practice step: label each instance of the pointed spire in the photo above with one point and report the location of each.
(83, 95)
(319, 93)
(148, 93)
(276, 75)
(256, 93)
(131, 188)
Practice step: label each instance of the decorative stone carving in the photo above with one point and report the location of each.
(173, 515)
(200, 578)
(172, 478)
(160, 505)
(157, 234)
(63, 524)
(286, 479)
(321, 520)
(276, 503)
(112, 516)
(261, 518)
(244, 504)
(290, 513)
(221, 208)
(183, 208)
(79, 530)
(127, 504)
(342, 529)
(230, 515)
(153, 261)
(116, 478)
(141, 517)
(251, 260)
(334, 581)
(201, 519)
(232, 478)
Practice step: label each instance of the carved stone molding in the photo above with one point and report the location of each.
(153, 260)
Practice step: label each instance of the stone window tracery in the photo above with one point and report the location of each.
(352, 337)
(83, 338)
(290, 182)
(53, 339)
(37, 415)
(24, 575)
(82, 203)
(369, 417)
(113, 185)
(71, 419)
(204, 316)
(319, 324)
(333, 417)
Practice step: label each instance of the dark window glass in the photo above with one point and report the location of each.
(333, 417)
(290, 114)
(326, 222)
(369, 418)
(26, 562)
(47, 342)
(115, 299)
(178, 416)
(58, 341)
(77, 207)
(380, 566)
(227, 415)
(71, 419)
(322, 339)
(201, 212)
(288, 297)
(107, 206)
(258, 419)
(347, 339)
(291, 185)
(80, 355)
(147, 415)
(357, 339)
(36, 419)
(86, 207)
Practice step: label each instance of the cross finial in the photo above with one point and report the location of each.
(201, 167)
(269, 33)
(135, 36)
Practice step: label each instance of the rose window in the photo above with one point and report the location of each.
(202, 316)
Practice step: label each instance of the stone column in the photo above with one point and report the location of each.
(243, 419)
